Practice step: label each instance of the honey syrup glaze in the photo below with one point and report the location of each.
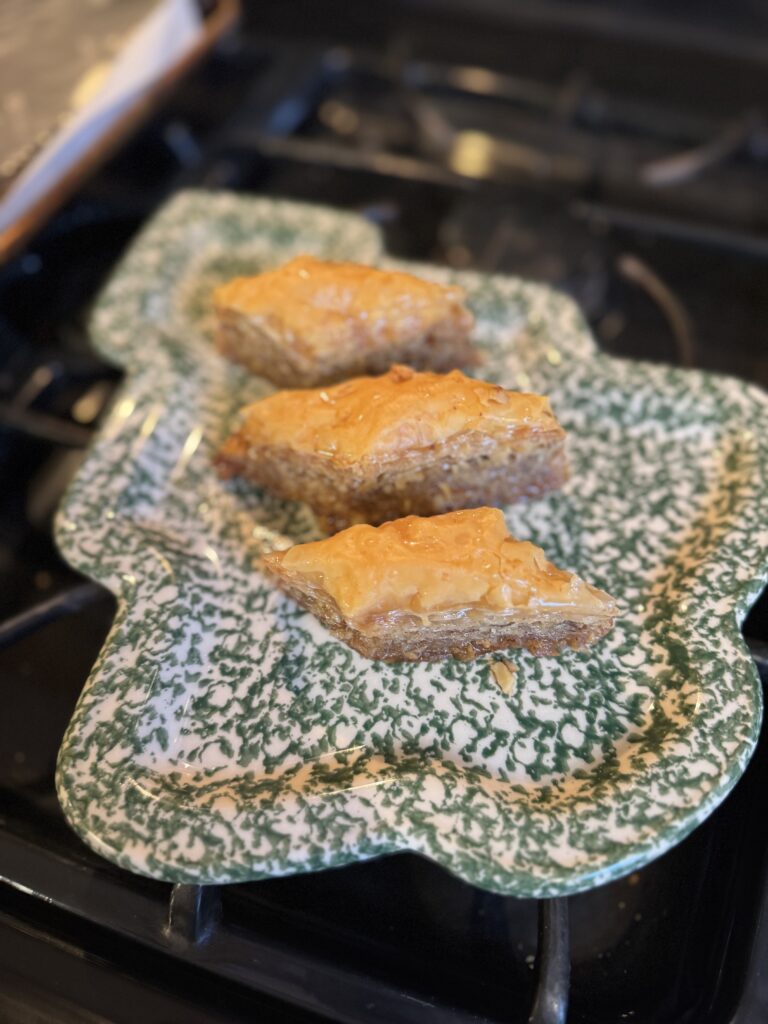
(463, 560)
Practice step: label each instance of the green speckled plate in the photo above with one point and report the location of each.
(223, 735)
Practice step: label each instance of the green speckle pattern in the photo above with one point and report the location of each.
(223, 735)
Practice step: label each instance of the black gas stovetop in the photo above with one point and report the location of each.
(622, 162)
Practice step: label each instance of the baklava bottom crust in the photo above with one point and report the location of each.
(444, 349)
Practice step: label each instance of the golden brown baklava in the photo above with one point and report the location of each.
(314, 322)
(423, 589)
(377, 448)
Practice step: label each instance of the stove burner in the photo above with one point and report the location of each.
(635, 270)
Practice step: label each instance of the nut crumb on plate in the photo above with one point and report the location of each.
(504, 672)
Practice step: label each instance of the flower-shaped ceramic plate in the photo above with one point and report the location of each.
(224, 735)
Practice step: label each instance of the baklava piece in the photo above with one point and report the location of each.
(314, 322)
(455, 585)
(377, 448)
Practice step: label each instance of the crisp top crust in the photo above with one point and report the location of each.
(460, 561)
(384, 417)
(321, 306)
